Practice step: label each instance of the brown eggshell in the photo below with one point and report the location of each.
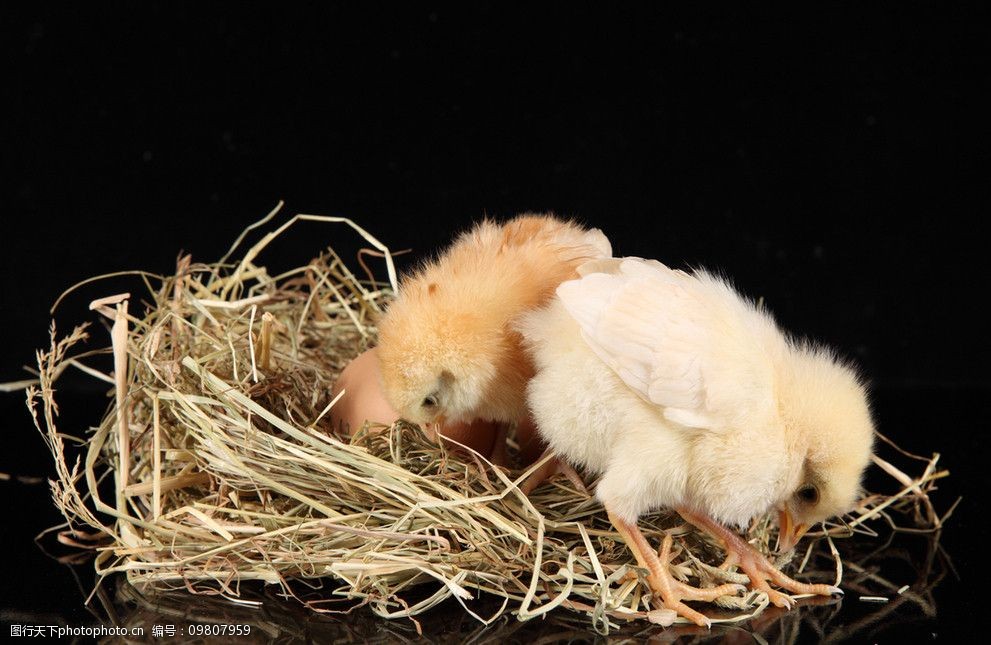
(364, 400)
(477, 435)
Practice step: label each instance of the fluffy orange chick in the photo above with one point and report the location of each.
(361, 400)
(448, 347)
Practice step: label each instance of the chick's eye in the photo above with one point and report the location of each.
(808, 494)
(429, 401)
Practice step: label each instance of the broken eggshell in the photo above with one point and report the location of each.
(364, 400)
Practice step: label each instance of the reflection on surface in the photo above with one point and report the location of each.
(917, 561)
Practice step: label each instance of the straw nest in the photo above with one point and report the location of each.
(215, 464)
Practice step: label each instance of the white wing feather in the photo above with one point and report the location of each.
(686, 342)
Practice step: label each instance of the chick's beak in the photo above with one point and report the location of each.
(435, 426)
(789, 533)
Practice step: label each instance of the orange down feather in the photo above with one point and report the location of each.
(447, 346)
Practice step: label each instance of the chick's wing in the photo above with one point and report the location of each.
(686, 342)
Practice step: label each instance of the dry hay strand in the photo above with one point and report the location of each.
(223, 467)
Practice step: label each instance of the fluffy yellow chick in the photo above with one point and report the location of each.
(447, 345)
(683, 394)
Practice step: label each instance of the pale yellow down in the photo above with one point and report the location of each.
(682, 393)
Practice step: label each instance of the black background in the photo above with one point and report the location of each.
(831, 161)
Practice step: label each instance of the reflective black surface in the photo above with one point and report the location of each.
(832, 162)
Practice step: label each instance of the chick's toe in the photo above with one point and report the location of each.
(757, 567)
(670, 593)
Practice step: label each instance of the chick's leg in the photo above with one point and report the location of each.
(547, 470)
(753, 563)
(497, 455)
(528, 438)
(671, 592)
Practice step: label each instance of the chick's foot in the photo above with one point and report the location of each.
(753, 563)
(670, 592)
